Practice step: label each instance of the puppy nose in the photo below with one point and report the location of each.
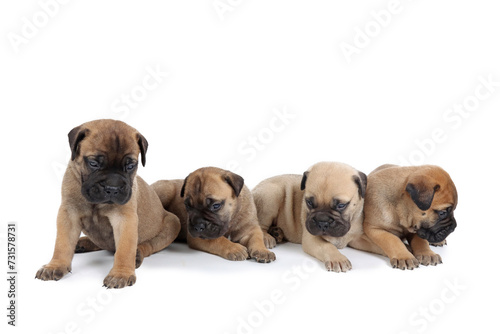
(323, 225)
(199, 227)
(111, 190)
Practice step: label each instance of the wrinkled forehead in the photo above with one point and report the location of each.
(112, 145)
(208, 186)
(445, 197)
(327, 186)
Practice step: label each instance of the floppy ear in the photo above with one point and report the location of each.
(75, 136)
(235, 181)
(361, 181)
(421, 189)
(184, 186)
(304, 179)
(143, 145)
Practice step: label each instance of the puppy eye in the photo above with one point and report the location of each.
(341, 206)
(93, 164)
(309, 203)
(187, 203)
(130, 167)
(216, 207)
(442, 214)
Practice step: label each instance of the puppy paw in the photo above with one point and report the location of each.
(404, 263)
(85, 245)
(236, 252)
(439, 244)
(339, 265)
(262, 255)
(139, 257)
(52, 272)
(429, 258)
(277, 234)
(269, 240)
(118, 279)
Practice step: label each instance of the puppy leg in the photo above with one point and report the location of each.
(254, 242)
(171, 226)
(85, 245)
(365, 244)
(68, 231)
(125, 230)
(220, 246)
(423, 252)
(267, 212)
(393, 247)
(325, 252)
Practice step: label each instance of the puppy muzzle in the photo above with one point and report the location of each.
(322, 223)
(439, 232)
(112, 189)
(204, 229)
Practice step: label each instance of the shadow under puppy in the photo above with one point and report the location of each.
(415, 204)
(322, 210)
(104, 198)
(217, 214)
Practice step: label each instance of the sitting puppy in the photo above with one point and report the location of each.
(217, 214)
(104, 198)
(322, 210)
(412, 203)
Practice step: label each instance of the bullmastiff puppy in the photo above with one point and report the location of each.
(414, 204)
(321, 209)
(217, 214)
(104, 198)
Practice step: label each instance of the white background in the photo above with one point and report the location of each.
(229, 74)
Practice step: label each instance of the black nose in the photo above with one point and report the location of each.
(111, 191)
(199, 227)
(323, 225)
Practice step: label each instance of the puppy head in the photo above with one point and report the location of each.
(105, 154)
(211, 199)
(432, 197)
(333, 196)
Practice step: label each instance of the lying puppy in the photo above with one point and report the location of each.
(412, 203)
(104, 198)
(322, 210)
(217, 214)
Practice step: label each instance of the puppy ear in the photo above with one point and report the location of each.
(304, 179)
(361, 181)
(184, 186)
(421, 189)
(75, 136)
(143, 145)
(235, 181)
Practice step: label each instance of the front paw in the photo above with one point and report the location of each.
(269, 240)
(50, 272)
(439, 244)
(340, 264)
(429, 258)
(409, 262)
(262, 255)
(236, 252)
(118, 279)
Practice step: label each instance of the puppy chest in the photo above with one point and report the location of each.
(99, 230)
